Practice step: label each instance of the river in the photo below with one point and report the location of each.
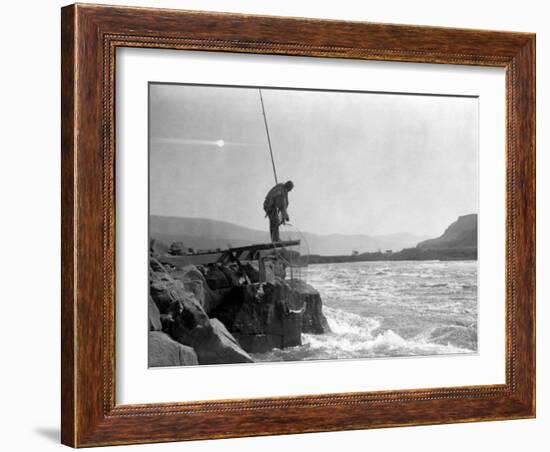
(391, 309)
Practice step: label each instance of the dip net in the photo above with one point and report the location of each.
(294, 259)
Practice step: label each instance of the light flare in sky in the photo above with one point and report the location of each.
(220, 143)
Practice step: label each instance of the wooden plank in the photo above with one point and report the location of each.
(240, 249)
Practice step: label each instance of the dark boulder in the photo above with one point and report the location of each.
(258, 343)
(292, 329)
(220, 347)
(252, 272)
(208, 337)
(190, 324)
(194, 281)
(163, 290)
(308, 298)
(260, 316)
(184, 317)
(232, 274)
(216, 278)
(164, 351)
(185, 320)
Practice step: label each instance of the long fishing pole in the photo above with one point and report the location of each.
(268, 137)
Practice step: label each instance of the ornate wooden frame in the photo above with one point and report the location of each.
(90, 35)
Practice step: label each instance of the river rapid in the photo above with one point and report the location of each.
(391, 309)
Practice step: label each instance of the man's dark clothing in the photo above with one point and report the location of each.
(275, 205)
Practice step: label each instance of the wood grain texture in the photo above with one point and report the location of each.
(67, 225)
(90, 36)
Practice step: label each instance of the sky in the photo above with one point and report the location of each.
(361, 163)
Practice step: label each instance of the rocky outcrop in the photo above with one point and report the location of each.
(222, 312)
(460, 234)
(154, 316)
(186, 322)
(217, 279)
(212, 342)
(194, 281)
(308, 298)
(175, 302)
(164, 352)
(182, 316)
(220, 347)
(262, 316)
(251, 272)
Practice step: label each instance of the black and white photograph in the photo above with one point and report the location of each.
(296, 224)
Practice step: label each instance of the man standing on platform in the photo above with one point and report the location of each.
(275, 207)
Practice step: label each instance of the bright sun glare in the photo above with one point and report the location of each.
(220, 143)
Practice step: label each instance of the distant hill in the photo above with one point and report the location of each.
(200, 233)
(460, 234)
(458, 242)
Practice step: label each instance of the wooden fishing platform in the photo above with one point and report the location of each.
(226, 255)
(242, 249)
(252, 252)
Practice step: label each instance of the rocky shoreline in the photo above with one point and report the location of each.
(222, 313)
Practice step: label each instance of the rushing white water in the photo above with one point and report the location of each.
(393, 308)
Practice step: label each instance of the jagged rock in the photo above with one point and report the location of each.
(154, 316)
(231, 272)
(252, 272)
(292, 329)
(194, 281)
(171, 295)
(258, 343)
(243, 317)
(211, 341)
(185, 320)
(216, 278)
(306, 296)
(224, 276)
(189, 273)
(190, 324)
(221, 347)
(164, 351)
(260, 316)
(155, 265)
(162, 290)
(165, 290)
(184, 317)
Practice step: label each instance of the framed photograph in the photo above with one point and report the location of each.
(282, 225)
